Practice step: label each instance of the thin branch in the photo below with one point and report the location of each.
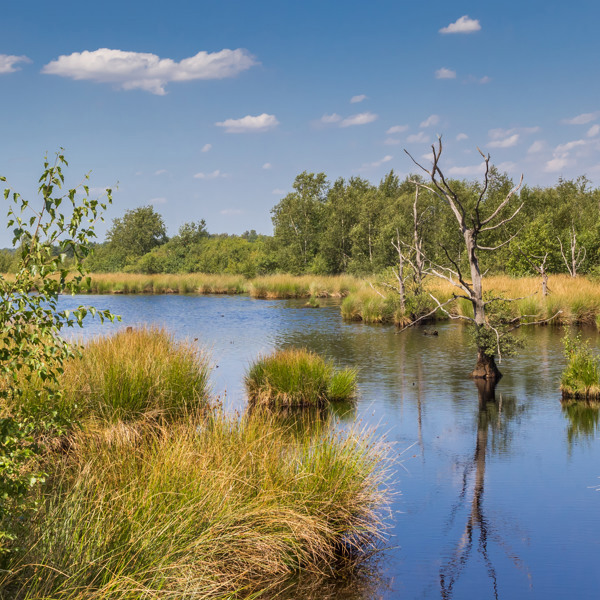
(503, 222)
(503, 203)
(512, 237)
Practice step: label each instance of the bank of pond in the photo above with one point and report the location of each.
(371, 300)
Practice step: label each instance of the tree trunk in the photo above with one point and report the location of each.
(486, 367)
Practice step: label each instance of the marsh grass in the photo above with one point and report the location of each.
(201, 508)
(126, 376)
(581, 377)
(303, 286)
(297, 377)
(571, 301)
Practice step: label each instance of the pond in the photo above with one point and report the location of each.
(493, 500)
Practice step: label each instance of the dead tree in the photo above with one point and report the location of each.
(540, 267)
(577, 254)
(472, 224)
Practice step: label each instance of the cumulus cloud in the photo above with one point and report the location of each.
(462, 25)
(328, 119)
(536, 147)
(249, 124)
(561, 156)
(378, 163)
(206, 147)
(418, 138)
(358, 119)
(582, 119)
(468, 171)
(594, 130)
(485, 79)
(397, 129)
(359, 98)
(507, 142)
(146, 71)
(213, 175)
(267, 166)
(8, 62)
(444, 73)
(160, 172)
(430, 121)
(462, 136)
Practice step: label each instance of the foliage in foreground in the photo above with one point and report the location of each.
(31, 345)
(297, 377)
(581, 377)
(200, 508)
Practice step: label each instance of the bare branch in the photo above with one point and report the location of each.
(512, 237)
(377, 291)
(504, 202)
(504, 221)
(534, 322)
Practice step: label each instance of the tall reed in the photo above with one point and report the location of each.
(203, 508)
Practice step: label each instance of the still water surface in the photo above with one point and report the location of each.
(495, 501)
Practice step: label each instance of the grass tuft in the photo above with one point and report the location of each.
(297, 377)
(581, 377)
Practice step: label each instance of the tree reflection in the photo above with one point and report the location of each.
(479, 531)
(584, 419)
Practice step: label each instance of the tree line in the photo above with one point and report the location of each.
(354, 226)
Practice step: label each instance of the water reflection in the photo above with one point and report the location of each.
(480, 530)
(584, 420)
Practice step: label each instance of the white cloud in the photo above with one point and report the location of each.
(267, 166)
(279, 192)
(462, 25)
(391, 142)
(462, 136)
(507, 166)
(213, 175)
(594, 130)
(556, 164)
(418, 138)
(359, 119)
(537, 146)
(444, 73)
(378, 163)
(231, 211)
(582, 119)
(467, 171)
(359, 98)
(430, 121)
(160, 200)
(206, 147)
(564, 148)
(160, 172)
(397, 129)
(8, 62)
(508, 142)
(249, 124)
(146, 71)
(485, 79)
(333, 118)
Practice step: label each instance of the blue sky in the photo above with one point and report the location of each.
(208, 110)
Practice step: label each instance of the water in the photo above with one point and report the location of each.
(492, 501)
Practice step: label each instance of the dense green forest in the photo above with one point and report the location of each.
(355, 227)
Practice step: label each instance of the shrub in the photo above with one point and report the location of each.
(581, 377)
(297, 377)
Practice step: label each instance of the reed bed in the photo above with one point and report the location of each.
(571, 301)
(205, 508)
(296, 378)
(194, 283)
(303, 286)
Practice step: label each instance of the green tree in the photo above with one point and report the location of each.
(135, 234)
(32, 350)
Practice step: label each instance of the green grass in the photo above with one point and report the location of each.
(199, 508)
(581, 377)
(297, 377)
